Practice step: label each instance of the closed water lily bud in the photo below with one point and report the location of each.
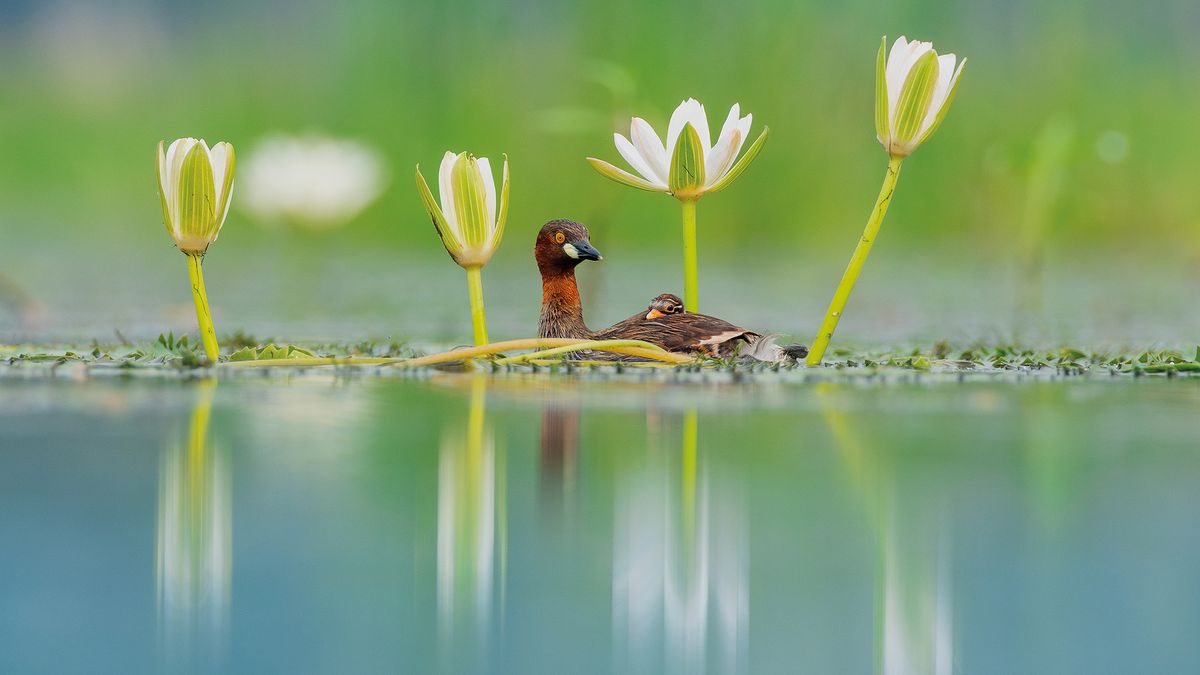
(195, 184)
(468, 218)
(914, 87)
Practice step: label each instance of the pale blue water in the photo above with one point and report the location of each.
(526, 524)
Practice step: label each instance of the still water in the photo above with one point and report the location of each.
(535, 524)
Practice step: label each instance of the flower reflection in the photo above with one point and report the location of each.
(194, 540)
(471, 532)
(915, 627)
(680, 569)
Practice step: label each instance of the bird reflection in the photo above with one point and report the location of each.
(194, 541)
(680, 570)
(558, 448)
(915, 632)
(471, 530)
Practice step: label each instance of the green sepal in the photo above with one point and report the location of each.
(197, 195)
(502, 217)
(435, 214)
(687, 162)
(881, 93)
(742, 163)
(470, 201)
(162, 197)
(623, 177)
(221, 208)
(913, 103)
(941, 114)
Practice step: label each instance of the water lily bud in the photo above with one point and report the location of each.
(913, 90)
(195, 184)
(468, 219)
(688, 166)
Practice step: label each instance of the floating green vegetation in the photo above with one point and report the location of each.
(555, 356)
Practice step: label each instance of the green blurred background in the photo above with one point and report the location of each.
(1057, 202)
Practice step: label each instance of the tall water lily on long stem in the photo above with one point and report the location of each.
(468, 220)
(688, 167)
(914, 87)
(195, 184)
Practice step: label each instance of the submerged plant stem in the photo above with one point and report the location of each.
(478, 320)
(850, 276)
(208, 336)
(691, 290)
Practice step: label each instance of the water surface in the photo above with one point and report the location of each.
(537, 524)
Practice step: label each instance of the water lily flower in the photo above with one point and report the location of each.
(468, 219)
(311, 181)
(914, 87)
(913, 90)
(195, 185)
(687, 167)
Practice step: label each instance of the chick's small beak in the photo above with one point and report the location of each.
(581, 249)
(653, 314)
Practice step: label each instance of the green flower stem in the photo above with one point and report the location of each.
(838, 304)
(203, 317)
(691, 292)
(478, 320)
(630, 347)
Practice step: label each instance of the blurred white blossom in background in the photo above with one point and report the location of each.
(310, 181)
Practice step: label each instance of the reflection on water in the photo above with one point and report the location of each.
(194, 540)
(471, 517)
(679, 551)
(914, 612)
(448, 522)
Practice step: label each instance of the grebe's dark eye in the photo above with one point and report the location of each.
(559, 237)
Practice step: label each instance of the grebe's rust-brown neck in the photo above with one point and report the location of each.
(562, 311)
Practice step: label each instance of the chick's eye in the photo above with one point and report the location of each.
(560, 237)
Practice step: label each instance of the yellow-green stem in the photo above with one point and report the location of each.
(478, 320)
(838, 304)
(203, 317)
(691, 288)
(630, 347)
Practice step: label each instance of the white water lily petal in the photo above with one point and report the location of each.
(489, 192)
(903, 57)
(222, 158)
(635, 158)
(688, 111)
(446, 193)
(946, 76)
(733, 136)
(651, 148)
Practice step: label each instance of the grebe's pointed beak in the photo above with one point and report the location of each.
(581, 249)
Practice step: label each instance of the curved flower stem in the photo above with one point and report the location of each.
(838, 304)
(478, 320)
(203, 317)
(631, 347)
(642, 349)
(691, 291)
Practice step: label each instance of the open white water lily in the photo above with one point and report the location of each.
(914, 87)
(467, 218)
(195, 184)
(311, 181)
(689, 165)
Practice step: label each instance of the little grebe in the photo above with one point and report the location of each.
(561, 245)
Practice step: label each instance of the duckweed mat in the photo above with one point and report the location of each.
(182, 357)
